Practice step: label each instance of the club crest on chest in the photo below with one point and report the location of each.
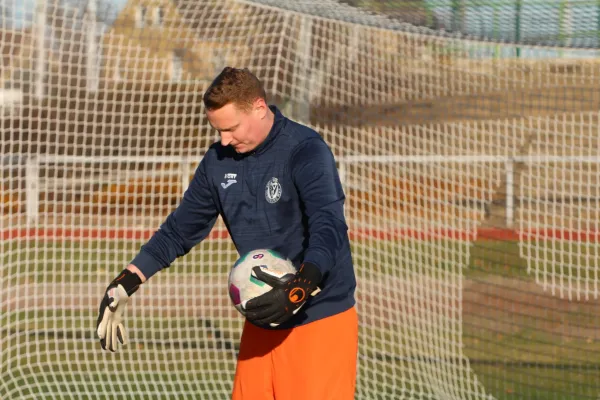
(273, 190)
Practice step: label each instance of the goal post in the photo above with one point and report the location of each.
(470, 168)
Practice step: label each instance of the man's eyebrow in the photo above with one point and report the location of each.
(228, 129)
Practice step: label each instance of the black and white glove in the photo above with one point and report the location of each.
(109, 326)
(288, 295)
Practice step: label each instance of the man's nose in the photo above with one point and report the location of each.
(225, 139)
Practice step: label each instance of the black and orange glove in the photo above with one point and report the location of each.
(288, 295)
(109, 325)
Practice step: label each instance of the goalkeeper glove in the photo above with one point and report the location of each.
(288, 295)
(109, 326)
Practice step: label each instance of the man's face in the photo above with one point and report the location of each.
(238, 128)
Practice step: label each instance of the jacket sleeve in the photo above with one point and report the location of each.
(185, 227)
(316, 178)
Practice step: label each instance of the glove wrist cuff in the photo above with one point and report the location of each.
(312, 273)
(129, 280)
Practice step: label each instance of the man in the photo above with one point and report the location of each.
(275, 184)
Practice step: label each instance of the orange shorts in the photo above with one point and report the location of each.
(316, 361)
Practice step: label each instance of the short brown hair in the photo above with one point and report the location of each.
(234, 85)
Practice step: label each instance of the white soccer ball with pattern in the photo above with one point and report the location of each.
(243, 286)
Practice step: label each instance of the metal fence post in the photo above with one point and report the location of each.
(509, 193)
(32, 190)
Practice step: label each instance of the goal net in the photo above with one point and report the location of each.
(470, 167)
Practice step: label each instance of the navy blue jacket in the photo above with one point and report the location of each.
(285, 195)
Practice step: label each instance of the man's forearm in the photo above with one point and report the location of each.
(137, 271)
(326, 238)
(183, 228)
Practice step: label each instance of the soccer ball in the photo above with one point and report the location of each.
(243, 286)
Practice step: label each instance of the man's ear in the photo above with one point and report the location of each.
(260, 107)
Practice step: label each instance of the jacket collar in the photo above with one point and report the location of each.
(278, 125)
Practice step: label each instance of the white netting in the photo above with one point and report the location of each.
(471, 178)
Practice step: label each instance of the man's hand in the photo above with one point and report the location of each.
(109, 326)
(288, 295)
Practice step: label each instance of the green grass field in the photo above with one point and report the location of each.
(521, 341)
